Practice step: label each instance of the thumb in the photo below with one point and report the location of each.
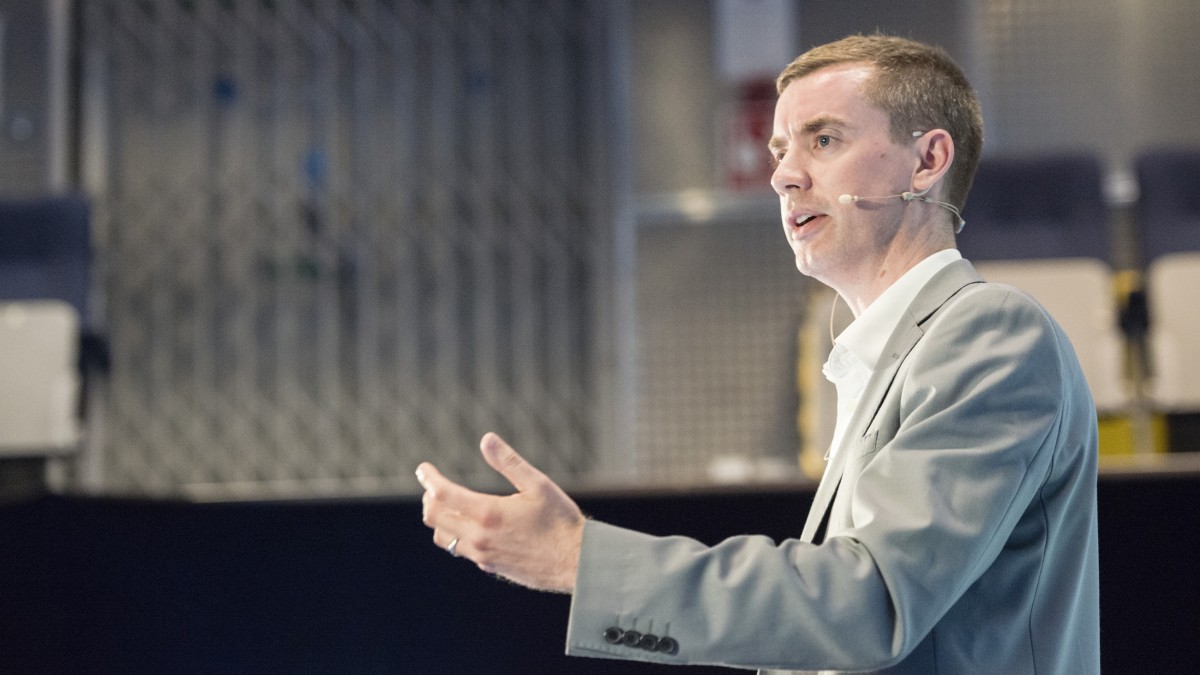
(501, 457)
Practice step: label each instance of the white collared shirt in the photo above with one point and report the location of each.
(857, 349)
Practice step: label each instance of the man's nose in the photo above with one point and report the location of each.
(790, 175)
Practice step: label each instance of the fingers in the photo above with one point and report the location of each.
(501, 457)
(426, 471)
(444, 496)
(454, 527)
(442, 512)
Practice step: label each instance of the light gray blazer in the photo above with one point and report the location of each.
(954, 530)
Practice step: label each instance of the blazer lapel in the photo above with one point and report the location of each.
(943, 286)
(824, 497)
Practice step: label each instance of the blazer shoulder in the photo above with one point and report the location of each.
(944, 285)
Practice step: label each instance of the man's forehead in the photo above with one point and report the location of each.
(841, 84)
(831, 97)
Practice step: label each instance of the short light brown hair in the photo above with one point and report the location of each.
(919, 87)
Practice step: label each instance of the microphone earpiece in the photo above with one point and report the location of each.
(906, 196)
(910, 196)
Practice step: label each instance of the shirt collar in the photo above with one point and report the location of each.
(867, 335)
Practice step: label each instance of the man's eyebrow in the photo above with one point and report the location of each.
(779, 143)
(823, 122)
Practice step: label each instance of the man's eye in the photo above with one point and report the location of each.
(824, 140)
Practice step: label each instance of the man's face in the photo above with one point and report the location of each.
(829, 141)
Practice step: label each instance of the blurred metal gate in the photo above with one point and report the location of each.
(341, 236)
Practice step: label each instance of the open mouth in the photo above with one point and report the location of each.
(798, 222)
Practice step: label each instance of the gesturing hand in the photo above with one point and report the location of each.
(531, 537)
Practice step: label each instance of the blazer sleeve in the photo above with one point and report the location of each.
(959, 448)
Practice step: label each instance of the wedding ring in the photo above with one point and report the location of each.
(453, 545)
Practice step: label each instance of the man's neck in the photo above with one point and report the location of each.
(860, 293)
(913, 241)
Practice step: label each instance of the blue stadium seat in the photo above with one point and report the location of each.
(1168, 224)
(1027, 208)
(45, 250)
(1168, 208)
(45, 275)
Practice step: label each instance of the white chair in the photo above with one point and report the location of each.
(1173, 286)
(39, 378)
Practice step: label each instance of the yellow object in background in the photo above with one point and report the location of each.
(1119, 436)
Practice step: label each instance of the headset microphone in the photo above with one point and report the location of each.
(909, 197)
(906, 196)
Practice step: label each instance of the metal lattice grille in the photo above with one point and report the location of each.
(719, 308)
(341, 236)
(1111, 76)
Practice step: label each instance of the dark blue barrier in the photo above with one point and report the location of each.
(104, 585)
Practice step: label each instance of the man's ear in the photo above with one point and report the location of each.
(935, 154)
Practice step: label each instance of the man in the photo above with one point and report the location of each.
(954, 530)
